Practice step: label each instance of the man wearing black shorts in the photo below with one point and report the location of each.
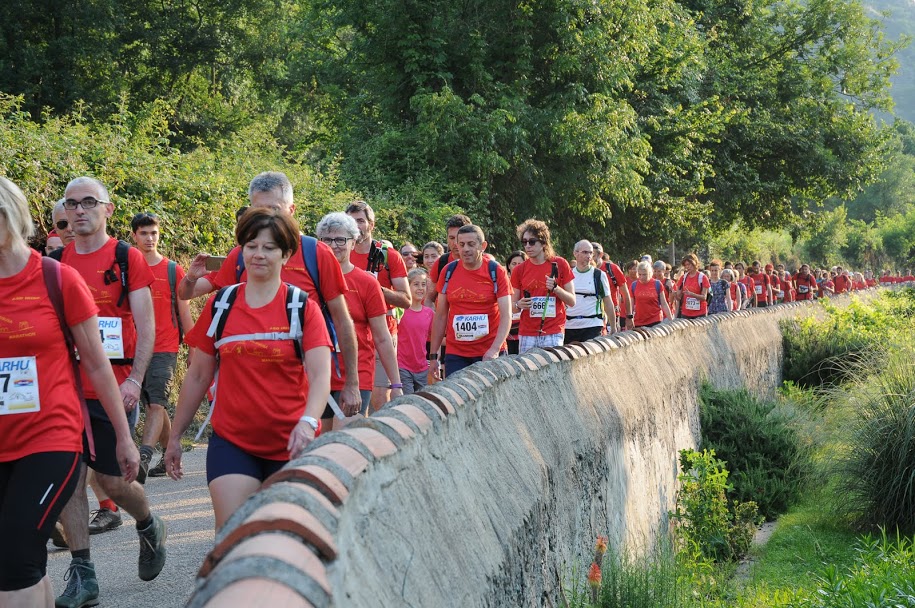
(127, 327)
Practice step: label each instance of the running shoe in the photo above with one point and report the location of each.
(104, 520)
(82, 585)
(145, 458)
(159, 469)
(152, 549)
(58, 539)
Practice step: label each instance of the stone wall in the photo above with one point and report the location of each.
(485, 489)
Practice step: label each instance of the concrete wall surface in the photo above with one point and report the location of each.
(487, 488)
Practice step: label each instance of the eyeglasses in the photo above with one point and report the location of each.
(62, 224)
(530, 242)
(87, 203)
(414, 254)
(339, 241)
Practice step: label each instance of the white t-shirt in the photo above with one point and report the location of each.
(586, 305)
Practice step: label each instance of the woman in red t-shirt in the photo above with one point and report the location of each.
(648, 298)
(41, 416)
(367, 307)
(692, 289)
(267, 403)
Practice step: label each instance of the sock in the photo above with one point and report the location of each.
(142, 525)
(145, 449)
(81, 554)
(108, 504)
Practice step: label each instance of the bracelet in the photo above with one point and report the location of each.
(312, 422)
(139, 386)
(395, 385)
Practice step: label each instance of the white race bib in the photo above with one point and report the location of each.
(111, 330)
(539, 303)
(758, 289)
(691, 303)
(802, 289)
(18, 386)
(468, 328)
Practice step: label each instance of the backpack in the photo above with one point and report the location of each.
(657, 286)
(449, 270)
(443, 260)
(120, 257)
(309, 247)
(598, 293)
(378, 256)
(50, 269)
(172, 284)
(608, 268)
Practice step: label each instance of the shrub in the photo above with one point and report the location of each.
(878, 469)
(768, 457)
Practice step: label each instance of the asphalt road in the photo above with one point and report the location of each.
(185, 507)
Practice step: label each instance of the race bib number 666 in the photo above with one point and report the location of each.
(18, 386)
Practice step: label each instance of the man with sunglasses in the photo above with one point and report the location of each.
(173, 317)
(61, 223)
(410, 256)
(127, 325)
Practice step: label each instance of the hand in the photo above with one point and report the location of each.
(492, 353)
(198, 267)
(173, 459)
(350, 399)
(299, 439)
(550, 283)
(524, 303)
(128, 458)
(630, 324)
(396, 392)
(130, 393)
(435, 369)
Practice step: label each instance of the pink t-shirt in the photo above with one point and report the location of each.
(412, 334)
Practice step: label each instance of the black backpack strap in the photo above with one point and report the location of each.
(295, 301)
(239, 266)
(56, 254)
(172, 287)
(121, 253)
(598, 286)
(449, 270)
(443, 261)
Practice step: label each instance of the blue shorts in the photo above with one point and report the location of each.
(226, 458)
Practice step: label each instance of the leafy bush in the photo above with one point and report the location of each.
(768, 457)
(708, 528)
(879, 466)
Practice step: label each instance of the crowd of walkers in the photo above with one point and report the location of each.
(298, 334)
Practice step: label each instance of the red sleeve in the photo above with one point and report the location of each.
(80, 305)
(515, 277)
(138, 275)
(396, 266)
(565, 271)
(315, 331)
(618, 273)
(502, 287)
(226, 274)
(197, 337)
(372, 297)
(333, 284)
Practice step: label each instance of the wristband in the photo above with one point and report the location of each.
(630, 316)
(395, 385)
(139, 386)
(433, 357)
(312, 422)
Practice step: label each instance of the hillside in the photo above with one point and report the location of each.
(901, 20)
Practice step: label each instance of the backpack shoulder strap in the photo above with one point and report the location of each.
(309, 245)
(493, 267)
(449, 270)
(222, 304)
(121, 254)
(598, 285)
(608, 268)
(239, 266)
(56, 254)
(173, 292)
(659, 289)
(295, 314)
(443, 261)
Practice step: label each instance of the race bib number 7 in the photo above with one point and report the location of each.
(111, 329)
(18, 386)
(468, 328)
(539, 303)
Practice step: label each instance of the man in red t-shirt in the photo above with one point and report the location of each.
(273, 190)
(842, 281)
(762, 285)
(381, 259)
(543, 286)
(747, 282)
(127, 326)
(173, 318)
(805, 283)
(619, 292)
(452, 225)
(473, 312)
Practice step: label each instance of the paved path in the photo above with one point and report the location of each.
(185, 506)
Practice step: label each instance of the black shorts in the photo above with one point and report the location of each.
(581, 335)
(33, 492)
(106, 441)
(158, 376)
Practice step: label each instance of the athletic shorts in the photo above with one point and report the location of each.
(413, 381)
(364, 409)
(158, 375)
(226, 458)
(526, 343)
(381, 377)
(580, 335)
(106, 440)
(33, 492)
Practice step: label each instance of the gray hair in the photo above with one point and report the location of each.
(660, 265)
(15, 208)
(59, 207)
(727, 274)
(337, 222)
(89, 181)
(268, 181)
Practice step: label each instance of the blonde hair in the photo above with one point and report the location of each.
(15, 209)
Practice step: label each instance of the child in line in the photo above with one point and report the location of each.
(413, 334)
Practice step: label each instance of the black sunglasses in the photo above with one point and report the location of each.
(530, 242)
(62, 224)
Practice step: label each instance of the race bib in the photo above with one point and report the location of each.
(692, 303)
(468, 328)
(802, 289)
(539, 303)
(779, 294)
(758, 289)
(18, 386)
(111, 329)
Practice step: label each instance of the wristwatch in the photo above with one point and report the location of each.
(432, 357)
(309, 421)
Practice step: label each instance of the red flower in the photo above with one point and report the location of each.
(594, 576)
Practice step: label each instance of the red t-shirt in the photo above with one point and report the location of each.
(166, 316)
(414, 331)
(843, 284)
(93, 268)
(691, 307)
(365, 301)
(531, 277)
(29, 328)
(294, 273)
(761, 281)
(806, 286)
(646, 298)
(262, 386)
(615, 272)
(395, 269)
(439, 264)
(871, 282)
(470, 292)
(750, 284)
(734, 288)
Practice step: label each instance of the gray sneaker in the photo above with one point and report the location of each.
(104, 520)
(145, 459)
(159, 469)
(152, 549)
(82, 586)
